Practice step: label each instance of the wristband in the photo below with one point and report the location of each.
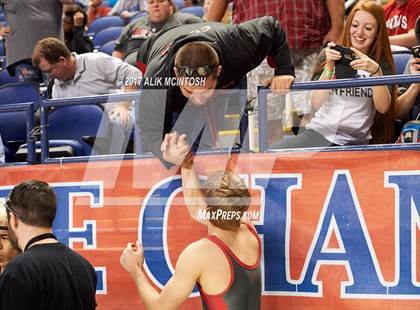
(327, 73)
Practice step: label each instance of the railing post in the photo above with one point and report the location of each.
(44, 133)
(138, 145)
(262, 119)
(30, 139)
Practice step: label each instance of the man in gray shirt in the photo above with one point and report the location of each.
(161, 16)
(90, 74)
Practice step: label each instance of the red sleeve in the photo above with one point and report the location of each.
(414, 8)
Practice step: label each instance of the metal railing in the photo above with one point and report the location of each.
(330, 84)
(86, 100)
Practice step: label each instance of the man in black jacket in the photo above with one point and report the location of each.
(48, 275)
(188, 63)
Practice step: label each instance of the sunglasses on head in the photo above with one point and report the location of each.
(201, 71)
(9, 210)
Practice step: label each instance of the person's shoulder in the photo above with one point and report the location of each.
(413, 6)
(187, 17)
(139, 22)
(389, 5)
(200, 249)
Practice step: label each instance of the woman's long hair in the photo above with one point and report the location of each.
(380, 51)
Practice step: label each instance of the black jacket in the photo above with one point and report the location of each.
(78, 42)
(240, 48)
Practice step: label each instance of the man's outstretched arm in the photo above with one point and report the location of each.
(217, 10)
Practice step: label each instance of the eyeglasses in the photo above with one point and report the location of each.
(10, 210)
(201, 71)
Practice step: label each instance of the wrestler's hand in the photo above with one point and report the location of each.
(175, 148)
(132, 258)
(281, 83)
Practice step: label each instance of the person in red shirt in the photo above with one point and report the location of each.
(309, 25)
(96, 10)
(401, 18)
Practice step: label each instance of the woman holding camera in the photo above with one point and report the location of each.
(357, 115)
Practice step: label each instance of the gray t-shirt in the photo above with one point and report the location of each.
(30, 21)
(138, 31)
(96, 74)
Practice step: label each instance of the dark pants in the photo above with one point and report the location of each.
(305, 138)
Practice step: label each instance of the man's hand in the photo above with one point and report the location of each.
(132, 258)
(125, 14)
(281, 83)
(175, 148)
(120, 113)
(332, 36)
(5, 31)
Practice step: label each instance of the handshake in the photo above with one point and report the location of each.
(175, 148)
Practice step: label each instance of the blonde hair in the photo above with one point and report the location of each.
(225, 192)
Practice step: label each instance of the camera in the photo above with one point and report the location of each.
(342, 66)
(416, 51)
(347, 55)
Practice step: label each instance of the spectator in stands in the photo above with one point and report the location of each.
(232, 245)
(96, 9)
(127, 8)
(188, 3)
(48, 274)
(306, 35)
(347, 116)
(7, 251)
(203, 57)
(29, 22)
(161, 16)
(409, 102)
(91, 74)
(401, 18)
(74, 23)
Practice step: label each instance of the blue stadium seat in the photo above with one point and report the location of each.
(103, 23)
(107, 48)
(74, 122)
(106, 35)
(13, 124)
(6, 78)
(138, 15)
(2, 62)
(179, 4)
(195, 10)
(18, 92)
(400, 60)
(13, 132)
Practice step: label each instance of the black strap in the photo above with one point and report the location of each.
(4, 228)
(39, 238)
